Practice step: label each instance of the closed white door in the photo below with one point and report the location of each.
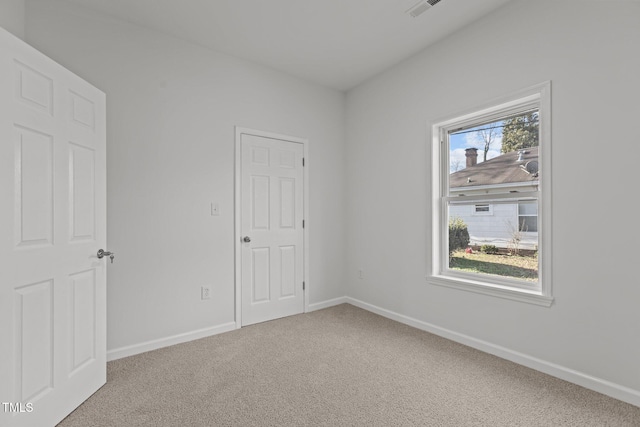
(52, 223)
(271, 229)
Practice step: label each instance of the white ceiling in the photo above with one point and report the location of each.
(336, 43)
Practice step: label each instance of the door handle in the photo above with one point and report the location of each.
(246, 239)
(102, 253)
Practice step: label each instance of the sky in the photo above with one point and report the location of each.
(466, 139)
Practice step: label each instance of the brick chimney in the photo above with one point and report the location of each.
(472, 156)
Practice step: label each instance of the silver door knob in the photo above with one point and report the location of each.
(246, 239)
(102, 253)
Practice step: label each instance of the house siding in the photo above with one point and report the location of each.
(494, 228)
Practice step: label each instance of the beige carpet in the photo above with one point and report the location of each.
(342, 366)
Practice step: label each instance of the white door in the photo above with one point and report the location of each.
(52, 223)
(271, 228)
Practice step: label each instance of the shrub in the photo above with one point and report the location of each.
(489, 249)
(458, 234)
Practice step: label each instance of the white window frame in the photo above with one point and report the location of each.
(439, 274)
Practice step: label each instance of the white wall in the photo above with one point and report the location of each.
(171, 110)
(589, 52)
(12, 16)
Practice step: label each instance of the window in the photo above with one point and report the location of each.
(491, 198)
(483, 209)
(528, 217)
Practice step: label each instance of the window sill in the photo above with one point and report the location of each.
(520, 295)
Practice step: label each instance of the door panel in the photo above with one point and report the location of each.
(272, 196)
(287, 193)
(260, 198)
(52, 223)
(287, 271)
(260, 275)
(33, 333)
(81, 193)
(82, 324)
(33, 187)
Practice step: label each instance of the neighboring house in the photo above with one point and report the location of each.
(497, 223)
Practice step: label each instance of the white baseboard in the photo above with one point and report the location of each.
(326, 304)
(608, 388)
(130, 350)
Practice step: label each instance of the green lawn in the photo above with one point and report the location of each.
(521, 267)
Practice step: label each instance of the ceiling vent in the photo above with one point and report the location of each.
(420, 7)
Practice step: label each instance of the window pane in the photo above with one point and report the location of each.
(528, 208)
(492, 245)
(529, 224)
(495, 157)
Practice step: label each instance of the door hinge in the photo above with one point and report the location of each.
(303, 161)
(303, 223)
(303, 286)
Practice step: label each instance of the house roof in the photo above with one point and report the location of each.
(504, 169)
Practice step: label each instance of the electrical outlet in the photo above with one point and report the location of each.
(205, 292)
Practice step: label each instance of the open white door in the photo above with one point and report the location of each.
(52, 223)
(272, 250)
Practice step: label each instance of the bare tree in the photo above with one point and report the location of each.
(487, 136)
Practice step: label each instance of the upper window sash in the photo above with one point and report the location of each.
(491, 114)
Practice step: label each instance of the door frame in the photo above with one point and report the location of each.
(239, 131)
